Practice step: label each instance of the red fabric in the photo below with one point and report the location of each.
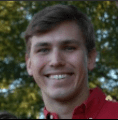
(95, 107)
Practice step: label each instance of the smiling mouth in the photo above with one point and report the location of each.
(59, 76)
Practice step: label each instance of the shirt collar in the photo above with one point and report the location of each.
(91, 106)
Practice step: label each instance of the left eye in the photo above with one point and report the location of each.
(43, 50)
(69, 48)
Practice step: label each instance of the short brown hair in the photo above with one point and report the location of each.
(49, 17)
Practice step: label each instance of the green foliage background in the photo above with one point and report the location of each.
(22, 96)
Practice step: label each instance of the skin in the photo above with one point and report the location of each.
(61, 51)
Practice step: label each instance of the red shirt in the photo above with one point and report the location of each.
(95, 107)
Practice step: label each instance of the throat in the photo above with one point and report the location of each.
(65, 109)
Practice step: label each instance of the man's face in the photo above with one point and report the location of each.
(58, 61)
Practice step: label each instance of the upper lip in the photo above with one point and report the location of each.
(58, 73)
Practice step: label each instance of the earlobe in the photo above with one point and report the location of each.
(28, 64)
(92, 59)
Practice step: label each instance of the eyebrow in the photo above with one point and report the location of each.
(65, 42)
(73, 41)
(41, 44)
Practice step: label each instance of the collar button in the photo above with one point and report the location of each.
(51, 116)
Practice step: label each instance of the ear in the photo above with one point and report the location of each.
(91, 59)
(28, 64)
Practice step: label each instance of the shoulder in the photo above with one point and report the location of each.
(111, 104)
(109, 110)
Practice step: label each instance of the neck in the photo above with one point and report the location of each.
(65, 109)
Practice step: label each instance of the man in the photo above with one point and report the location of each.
(60, 45)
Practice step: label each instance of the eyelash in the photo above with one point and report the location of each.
(43, 50)
(70, 48)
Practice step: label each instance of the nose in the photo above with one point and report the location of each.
(56, 59)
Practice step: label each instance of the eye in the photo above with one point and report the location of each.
(69, 48)
(43, 50)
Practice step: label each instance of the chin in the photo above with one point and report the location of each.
(62, 96)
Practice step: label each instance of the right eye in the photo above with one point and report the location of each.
(69, 48)
(43, 50)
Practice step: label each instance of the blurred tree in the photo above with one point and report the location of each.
(21, 95)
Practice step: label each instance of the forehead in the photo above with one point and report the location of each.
(68, 30)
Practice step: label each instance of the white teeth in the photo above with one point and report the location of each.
(58, 77)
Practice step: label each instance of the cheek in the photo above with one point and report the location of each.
(78, 59)
(38, 63)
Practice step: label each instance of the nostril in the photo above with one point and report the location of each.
(57, 64)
